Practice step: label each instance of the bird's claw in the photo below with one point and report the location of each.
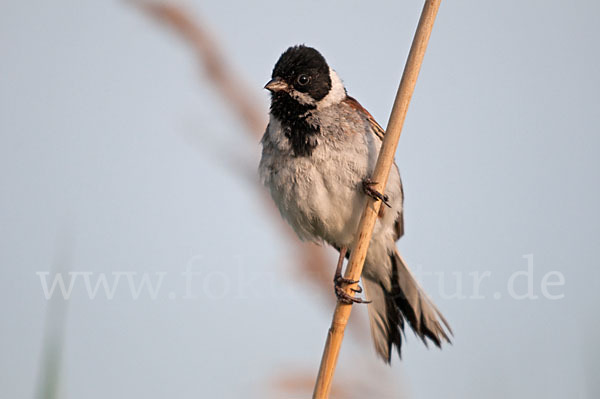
(342, 295)
(358, 289)
(376, 195)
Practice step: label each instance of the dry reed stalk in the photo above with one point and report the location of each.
(342, 311)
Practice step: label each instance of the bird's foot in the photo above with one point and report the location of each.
(371, 192)
(339, 282)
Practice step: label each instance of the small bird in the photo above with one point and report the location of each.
(318, 152)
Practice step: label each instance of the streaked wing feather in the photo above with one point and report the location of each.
(379, 132)
(375, 127)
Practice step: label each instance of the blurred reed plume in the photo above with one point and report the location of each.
(313, 262)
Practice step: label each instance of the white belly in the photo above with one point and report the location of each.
(319, 203)
(321, 195)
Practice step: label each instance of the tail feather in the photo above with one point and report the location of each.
(385, 326)
(405, 301)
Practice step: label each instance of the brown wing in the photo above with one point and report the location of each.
(379, 132)
(399, 223)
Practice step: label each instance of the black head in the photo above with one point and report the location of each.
(301, 70)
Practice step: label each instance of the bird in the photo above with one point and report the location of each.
(318, 152)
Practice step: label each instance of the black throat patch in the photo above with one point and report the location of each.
(293, 117)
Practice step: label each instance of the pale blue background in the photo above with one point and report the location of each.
(111, 150)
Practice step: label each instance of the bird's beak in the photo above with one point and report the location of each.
(276, 84)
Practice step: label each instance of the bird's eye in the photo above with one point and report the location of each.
(303, 80)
